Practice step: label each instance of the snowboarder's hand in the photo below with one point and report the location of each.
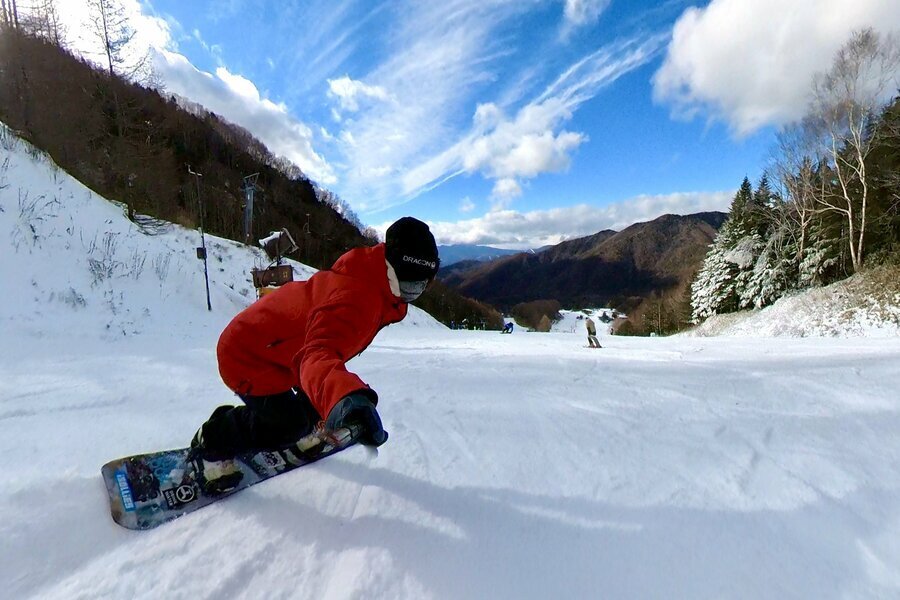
(359, 410)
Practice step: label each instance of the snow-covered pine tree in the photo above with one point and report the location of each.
(714, 290)
(822, 256)
(772, 248)
(773, 272)
(726, 268)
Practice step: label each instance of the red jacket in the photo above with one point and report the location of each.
(302, 334)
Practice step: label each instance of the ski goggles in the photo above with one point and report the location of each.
(410, 290)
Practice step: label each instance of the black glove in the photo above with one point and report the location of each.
(359, 410)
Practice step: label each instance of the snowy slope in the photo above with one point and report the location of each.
(519, 466)
(573, 321)
(865, 305)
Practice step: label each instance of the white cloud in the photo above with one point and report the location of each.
(504, 192)
(487, 116)
(466, 205)
(506, 189)
(751, 62)
(582, 12)
(522, 147)
(514, 229)
(237, 99)
(231, 95)
(349, 91)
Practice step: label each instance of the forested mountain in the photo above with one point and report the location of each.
(454, 253)
(619, 269)
(135, 145)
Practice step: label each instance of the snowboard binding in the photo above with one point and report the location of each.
(215, 477)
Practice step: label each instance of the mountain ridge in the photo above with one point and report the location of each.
(608, 267)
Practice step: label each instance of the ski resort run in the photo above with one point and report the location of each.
(518, 466)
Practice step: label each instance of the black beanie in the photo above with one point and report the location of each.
(411, 250)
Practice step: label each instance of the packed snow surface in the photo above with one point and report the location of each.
(519, 466)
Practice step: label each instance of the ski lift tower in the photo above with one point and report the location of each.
(249, 187)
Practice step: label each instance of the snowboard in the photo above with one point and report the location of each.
(147, 490)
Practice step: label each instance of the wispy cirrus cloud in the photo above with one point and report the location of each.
(533, 229)
(350, 92)
(582, 12)
(435, 58)
(510, 149)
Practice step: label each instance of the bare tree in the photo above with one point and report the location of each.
(10, 13)
(43, 20)
(847, 100)
(115, 34)
(798, 167)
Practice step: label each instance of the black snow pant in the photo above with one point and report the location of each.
(263, 423)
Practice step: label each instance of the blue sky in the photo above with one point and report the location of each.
(509, 122)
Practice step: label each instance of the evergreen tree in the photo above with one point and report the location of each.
(773, 272)
(758, 216)
(742, 201)
(823, 256)
(748, 265)
(714, 290)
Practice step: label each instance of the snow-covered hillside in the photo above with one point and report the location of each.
(519, 466)
(74, 263)
(865, 305)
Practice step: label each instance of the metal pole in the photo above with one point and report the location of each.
(248, 213)
(202, 250)
(306, 232)
(249, 188)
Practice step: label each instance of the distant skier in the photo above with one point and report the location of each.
(284, 356)
(507, 327)
(592, 333)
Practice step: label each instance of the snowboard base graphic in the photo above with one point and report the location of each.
(148, 490)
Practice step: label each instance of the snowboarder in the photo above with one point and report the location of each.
(507, 327)
(284, 356)
(592, 333)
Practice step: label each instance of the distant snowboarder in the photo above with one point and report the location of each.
(507, 327)
(592, 333)
(284, 356)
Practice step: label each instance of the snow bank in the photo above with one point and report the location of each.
(865, 305)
